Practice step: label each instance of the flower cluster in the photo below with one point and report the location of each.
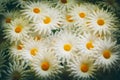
(56, 39)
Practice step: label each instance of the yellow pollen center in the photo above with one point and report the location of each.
(36, 38)
(84, 68)
(82, 15)
(18, 29)
(100, 22)
(47, 20)
(8, 20)
(45, 66)
(36, 10)
(64, 1)
(20, 46)
(106, 54)
(68, 18)
(89, 45)
(33, 51)
(67, 47)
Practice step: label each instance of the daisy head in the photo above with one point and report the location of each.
(46, 66)
(16, 49)
(82, 67)
(34, 10)
(66, 45)
(87, 43)
(67, 20)
(51, 21)
(9, 16)
(17, 70)
(79, 13)
(17, 30)
(102, 22)
(107, 54)
(31, 49)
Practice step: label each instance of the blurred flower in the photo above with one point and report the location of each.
(17, 70)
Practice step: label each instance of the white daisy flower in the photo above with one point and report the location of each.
(16, 49)
(17, 30)
(9, 16)
(51, 20)
(46, 66)
(79, 14)
(82, 68)
(67, 20)
(87, 43)
(107, 54)
(102, 22)
(17, 70)
(64, 5)
(66, 45)
(31, 49)
(34, 10)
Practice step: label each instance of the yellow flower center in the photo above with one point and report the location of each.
(8, 20)
(36, 10)
(47, 20)
(89, 45)
(64, 1)
(100, 22)
(106, 54)
(20, 46)
(18, 29)
(33, 51)
(45, 66)
(68, 18)
(37, 38)
(67, 47)
(82, 15)
(84, 68)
